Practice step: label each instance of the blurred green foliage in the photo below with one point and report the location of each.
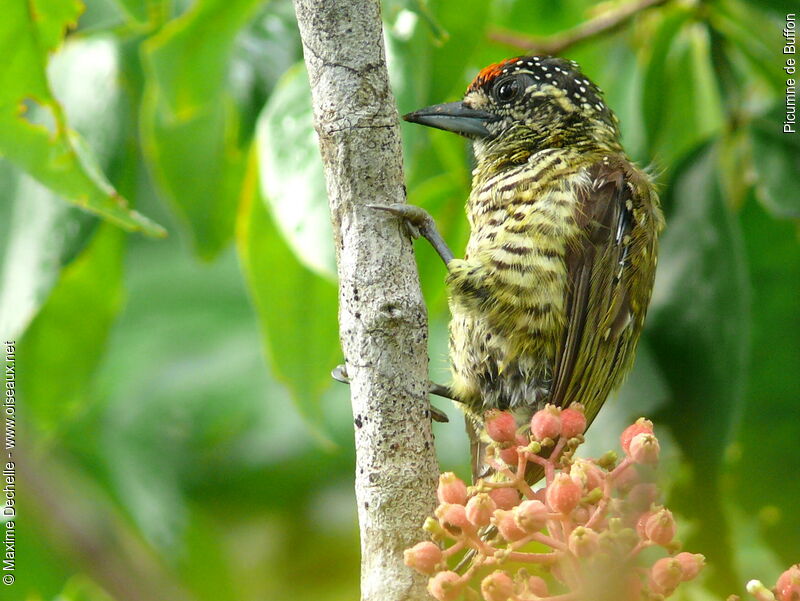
(180, 387)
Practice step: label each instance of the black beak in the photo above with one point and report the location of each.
(455, 117)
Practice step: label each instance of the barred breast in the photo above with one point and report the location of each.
(507, 296)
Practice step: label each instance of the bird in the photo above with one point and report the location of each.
(549, 300)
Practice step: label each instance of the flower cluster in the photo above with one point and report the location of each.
(593, 532)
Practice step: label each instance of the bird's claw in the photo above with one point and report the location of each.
(419, 223)
(417, 220)
(411, 213)
(339, 373)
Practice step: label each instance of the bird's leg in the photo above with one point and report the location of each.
(442, 391)
(339, 373)
(419, 223)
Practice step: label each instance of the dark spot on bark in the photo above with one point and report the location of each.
(358, 421)
(390, 309)
(358, 315)
(366, 505)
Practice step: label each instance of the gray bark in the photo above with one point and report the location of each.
(382, 316)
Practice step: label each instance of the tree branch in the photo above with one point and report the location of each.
(382, 316)
(559, 43)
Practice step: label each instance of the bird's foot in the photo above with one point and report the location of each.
(419, 223)
(339, 373)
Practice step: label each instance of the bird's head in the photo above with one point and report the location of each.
(525, 104)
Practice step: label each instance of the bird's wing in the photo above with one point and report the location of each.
(604, 310)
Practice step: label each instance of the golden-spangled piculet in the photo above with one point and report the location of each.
(550, 298)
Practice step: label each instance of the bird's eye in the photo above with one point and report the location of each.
(507, 89)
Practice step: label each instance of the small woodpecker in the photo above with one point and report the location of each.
(550, 298)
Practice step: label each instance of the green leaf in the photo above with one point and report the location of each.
(136, 10)
(49, 150)
(190, 125)
(103, 15)
(655, 60)
(752, 34)
(699, 331)
(681, 101)
(296, 307)
(781, 8)
(408, 59)
(46, 233)
(65, 342)
(265, 49)
(292, 180)
(450, 60)
(541, 18)
(766, 455)
(424, 73)
(776, 158)
(81, 588)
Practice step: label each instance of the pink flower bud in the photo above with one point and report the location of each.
(644, 448)
(509, 456)
(530, 516)
(573, 421)
(445, 586)
(586, 474)
(788, 586)
(480, 509)
(691, 564)
(641, 425)
(500, 425)
(581, 515)
(504, 520)
(497, 586)
(451, 489)
(505, 498)
(660, 527)
(453, 518)
(563, 495)
(537, 586)
(423, 557)
(583, 541)
(546, 423)
(665, 576)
